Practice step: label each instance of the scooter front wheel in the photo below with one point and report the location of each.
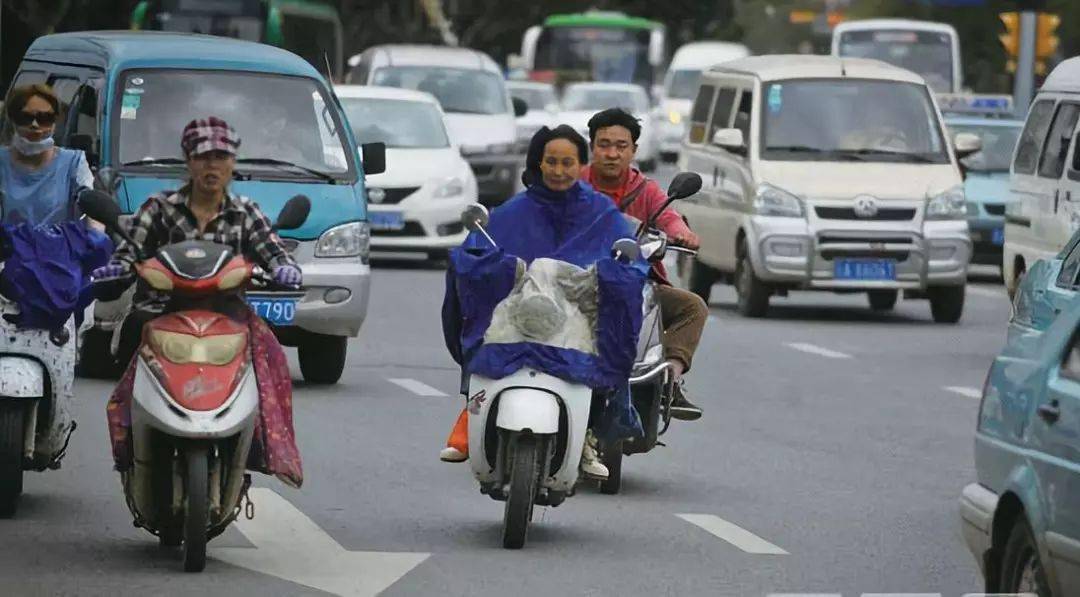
(11, 457)
(524, 474)
(196, 508)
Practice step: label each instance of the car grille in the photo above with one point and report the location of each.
(394, 195)
(995, 209)
(410, 229)
(889, 214)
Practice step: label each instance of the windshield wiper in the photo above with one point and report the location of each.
(911, 157)
(286, 164)
(156, 162)
(833, 153)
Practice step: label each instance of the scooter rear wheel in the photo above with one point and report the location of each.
(11, 457)
(196, 508)
(524, 473)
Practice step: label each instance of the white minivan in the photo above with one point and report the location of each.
(473, 93)
(1045, 176)
(680, 87)
(822, 173)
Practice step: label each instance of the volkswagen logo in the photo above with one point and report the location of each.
(376, 195)
(865, 206)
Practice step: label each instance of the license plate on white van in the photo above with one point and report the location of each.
(864, 269)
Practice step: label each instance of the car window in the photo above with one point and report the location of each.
(1031, 140)
(1052, 162)
(459, 90)
(721, 115)
(742, 115)
(1070, 268)
(699, 113)
(397, 123)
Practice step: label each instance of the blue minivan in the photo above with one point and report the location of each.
(127, 97)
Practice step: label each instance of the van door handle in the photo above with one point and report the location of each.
(715, 174)
(1057, 197)
(1050, 412)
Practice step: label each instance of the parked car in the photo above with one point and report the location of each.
(1045, 175)
(825, 174)
(1021, 518)
(479, 110)
(581, 101)
(416, 204)
(986, 180)
(681, 85)
(543, 109)
(130, 95)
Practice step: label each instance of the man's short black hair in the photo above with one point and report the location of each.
(614, 117)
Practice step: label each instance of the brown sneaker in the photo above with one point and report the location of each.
(681, 407)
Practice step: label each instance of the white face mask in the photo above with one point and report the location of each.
(32, 148)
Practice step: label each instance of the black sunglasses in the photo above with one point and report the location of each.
(21, 118)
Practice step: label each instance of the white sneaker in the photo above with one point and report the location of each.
(449, 454)
(590, 460)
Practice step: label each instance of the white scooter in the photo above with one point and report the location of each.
(527, 430)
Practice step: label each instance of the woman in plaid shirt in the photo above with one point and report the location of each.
(204, 209)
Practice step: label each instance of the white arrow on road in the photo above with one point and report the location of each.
(290, 546)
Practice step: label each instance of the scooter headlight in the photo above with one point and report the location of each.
(184, 349)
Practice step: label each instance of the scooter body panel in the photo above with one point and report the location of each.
(153, 407)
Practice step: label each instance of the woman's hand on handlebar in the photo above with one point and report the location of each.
(288, 275)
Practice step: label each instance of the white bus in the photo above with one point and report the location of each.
(931, 50)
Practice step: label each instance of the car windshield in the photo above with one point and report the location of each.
(683, 84)
(397, 123)
(927, 53)
(586, 97)
(537, 98)
(998, 142)
(467, 91)
(299, 126)
(850, 119)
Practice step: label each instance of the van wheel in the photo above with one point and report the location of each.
(883, 300)
(700, 279)
(753, 293)
(946, 303)
(322, 358)
(1021, 569)
(11, 457)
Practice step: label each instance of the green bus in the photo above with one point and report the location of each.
(309, 28)
(595, 45)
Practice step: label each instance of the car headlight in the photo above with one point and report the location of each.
(774, 201)
(347, 240)
(948, 205)
(452, 187)
(674, 117)
(184, 349)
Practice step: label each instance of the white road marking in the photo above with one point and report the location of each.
(417, 387)
(733, 534)
(290, 546)
(988, 292)
(901, 595)
(965, 391)
(804, 595)
(821, 352)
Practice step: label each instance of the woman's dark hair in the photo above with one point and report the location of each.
(614, 117)
(539, 142)
(19, 97)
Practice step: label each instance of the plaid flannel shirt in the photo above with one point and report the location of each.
(166, 219)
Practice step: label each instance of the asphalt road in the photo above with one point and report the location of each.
(833, 449)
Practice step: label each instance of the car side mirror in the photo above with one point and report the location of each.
(374, 157)
(294, 213)
(732, 140)
(966, 144)
(520, 107)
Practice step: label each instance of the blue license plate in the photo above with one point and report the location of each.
(276, 311)
(864, 269)
(997, 236)
(386, 220)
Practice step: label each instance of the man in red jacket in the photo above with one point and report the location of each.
(613, 135)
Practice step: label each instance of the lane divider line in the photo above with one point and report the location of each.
(966, 392)
(817, 350)
(417, 387)
(733, 534)
(987, 292)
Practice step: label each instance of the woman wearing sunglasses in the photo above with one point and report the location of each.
(39, 181)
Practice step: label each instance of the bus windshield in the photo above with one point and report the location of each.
(602, 54)
(930, 54)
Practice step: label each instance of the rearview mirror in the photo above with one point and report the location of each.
(966, 144)
(520, 107)
(730, 139)
(293, 214)
(474, 217)
(625, 249)
(683, 185)
(101, 207)
(374, 157)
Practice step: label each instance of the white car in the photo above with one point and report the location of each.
(543, 106)
(582, 100)
(416, 204)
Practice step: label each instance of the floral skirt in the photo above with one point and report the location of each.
(273, 449)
